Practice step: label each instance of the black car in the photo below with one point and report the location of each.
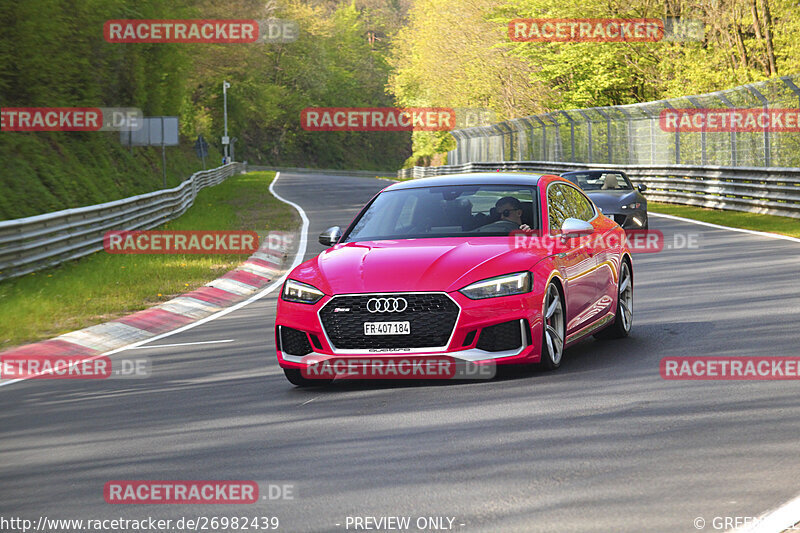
(612, 191)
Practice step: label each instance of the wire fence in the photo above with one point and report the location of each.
(635, 134)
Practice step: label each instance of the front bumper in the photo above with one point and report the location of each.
(475, 318)
(630, 219)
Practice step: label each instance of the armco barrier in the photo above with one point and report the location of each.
(37, 242)
(774, 191)
(245, 281)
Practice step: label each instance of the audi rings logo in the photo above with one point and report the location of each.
(387, 305)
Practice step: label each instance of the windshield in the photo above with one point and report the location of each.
(446, 211)
(599, 181)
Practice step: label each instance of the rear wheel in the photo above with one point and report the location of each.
(553, 330)
(623, 320)
(295, 376)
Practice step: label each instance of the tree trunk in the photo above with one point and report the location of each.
(764, 7)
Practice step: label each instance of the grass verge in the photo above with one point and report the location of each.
(735, 219)
(103, 286)
(50, 171)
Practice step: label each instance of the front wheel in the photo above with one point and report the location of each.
(295, 377)
(623, 320)
(553, 330)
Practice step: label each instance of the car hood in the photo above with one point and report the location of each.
(612, 201)
(413, 264)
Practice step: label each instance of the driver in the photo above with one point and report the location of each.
(510, 210)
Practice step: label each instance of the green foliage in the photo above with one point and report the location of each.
(459, 54)
(53, 55)
(331, 64)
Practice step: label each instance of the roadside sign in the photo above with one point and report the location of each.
(154, 130)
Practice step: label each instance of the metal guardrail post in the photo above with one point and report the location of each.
(703, 152)
(556, 137)
(677, 135)
(608, 134)
(765, 106)
(733, 139)
(452, 155)
(628, 138)
(589, 131)
(571, 135)
(544, 136)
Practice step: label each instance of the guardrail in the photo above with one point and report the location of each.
(773, 190)
(33, 243)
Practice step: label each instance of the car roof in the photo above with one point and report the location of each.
(478, 178)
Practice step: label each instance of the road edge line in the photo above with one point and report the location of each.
(718, 226)
(298, 258)
(775, 521)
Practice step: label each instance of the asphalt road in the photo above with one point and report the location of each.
(603, 444)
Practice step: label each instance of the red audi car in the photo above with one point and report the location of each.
(503, 268)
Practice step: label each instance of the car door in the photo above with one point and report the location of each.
(602, 275)
(574, 260)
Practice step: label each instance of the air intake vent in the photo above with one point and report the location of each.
(294, 342)
(500, 337)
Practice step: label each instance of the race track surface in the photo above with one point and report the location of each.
(604, 444)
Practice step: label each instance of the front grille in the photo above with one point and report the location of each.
(500, 337)
(294, 342)
(432, 317)
(620, 219)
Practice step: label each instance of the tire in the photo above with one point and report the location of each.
(623, 320)
(296, 378)
(553, 318)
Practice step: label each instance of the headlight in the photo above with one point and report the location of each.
(634, 205)
(294, 291)
(499, 286)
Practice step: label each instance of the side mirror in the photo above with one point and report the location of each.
(642, 187)
(330, 236)
(572, 227)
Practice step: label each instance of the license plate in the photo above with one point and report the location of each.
(387, 328)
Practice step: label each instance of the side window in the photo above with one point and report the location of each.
(567, 202)
(581, 207)
(558, 205)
